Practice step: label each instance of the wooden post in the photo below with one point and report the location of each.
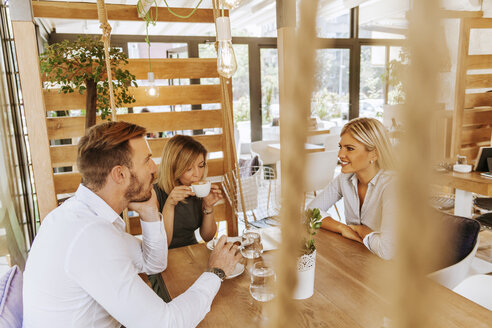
(459, 99)
(34, 110)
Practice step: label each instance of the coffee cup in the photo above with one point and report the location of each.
(201, 188)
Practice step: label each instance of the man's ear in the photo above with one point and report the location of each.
(119, 174)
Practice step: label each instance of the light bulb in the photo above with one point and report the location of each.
(231, 4)
(226, 59)
(151, 90)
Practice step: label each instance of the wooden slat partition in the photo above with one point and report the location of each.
(84, 10)
(168, 95)
(66, 183)
(73, 127)
(472, 122)
(66, 155)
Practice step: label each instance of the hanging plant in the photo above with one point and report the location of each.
(80, 66)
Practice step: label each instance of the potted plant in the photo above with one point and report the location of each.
(394, 76)
(80, 66)
(307, 260)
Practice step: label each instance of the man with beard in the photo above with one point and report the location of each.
(83, 267)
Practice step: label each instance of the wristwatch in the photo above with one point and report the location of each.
(218, 272)
(208, 212)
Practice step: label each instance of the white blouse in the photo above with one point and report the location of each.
(377, 211)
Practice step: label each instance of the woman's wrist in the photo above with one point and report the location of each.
(207, 209)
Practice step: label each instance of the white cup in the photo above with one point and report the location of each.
(201, 188)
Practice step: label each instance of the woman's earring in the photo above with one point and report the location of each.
(371, 161)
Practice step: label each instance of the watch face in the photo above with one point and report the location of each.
(219, 272)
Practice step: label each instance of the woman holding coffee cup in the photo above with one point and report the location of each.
(185, 201)
(366, 185)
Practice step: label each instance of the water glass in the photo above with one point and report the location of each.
(262, 286)
(251, 247)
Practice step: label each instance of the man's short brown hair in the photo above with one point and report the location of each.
(104, 147)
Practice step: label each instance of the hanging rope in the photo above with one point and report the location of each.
(106, 39)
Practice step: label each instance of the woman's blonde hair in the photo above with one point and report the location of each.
(178, 155)
(373, 135)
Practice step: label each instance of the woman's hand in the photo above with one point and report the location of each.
(178, 194)
(213, 197)
(361, 230)
(350, 233)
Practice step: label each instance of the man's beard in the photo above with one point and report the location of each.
(134, 191)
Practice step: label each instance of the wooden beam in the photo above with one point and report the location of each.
(73, 127)
(168, 95)
(66, 155)
(478, 99)
(479, 22)
(177, 68)
(460, 14)
(88, 11)
(475, 135)
(66, 183)
(479, 62)
(459, 99)
(30, 80)
(478, 116)
(479, 81)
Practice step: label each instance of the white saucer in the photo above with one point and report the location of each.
(211, 246)
(237, 271)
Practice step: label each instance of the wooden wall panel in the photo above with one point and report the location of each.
(176, 68)
(479, 62)
(83, 10)
(478, 81)
(66, 155)
(477, 116)
(68, 182)
(73, 127)
(475, 134)
(478, 99)
(168, 95)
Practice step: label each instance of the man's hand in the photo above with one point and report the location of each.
(148, 210)
(349, 233)
(224, 256)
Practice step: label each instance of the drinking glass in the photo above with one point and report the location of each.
(262, 286)
(251, 247)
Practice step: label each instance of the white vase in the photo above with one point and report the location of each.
(305, 276)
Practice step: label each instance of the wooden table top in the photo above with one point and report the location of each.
(316, 132)
(310, 148)
(346, 293)
(472, 182)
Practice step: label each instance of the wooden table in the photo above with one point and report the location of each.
(465, 184)
(346, 293)
(310, 148)
(316, 132)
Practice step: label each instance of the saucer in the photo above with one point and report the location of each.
(237, 271)
(211, 246)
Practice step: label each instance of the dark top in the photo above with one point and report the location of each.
(187, 218)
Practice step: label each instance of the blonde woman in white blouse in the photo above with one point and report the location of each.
(366, 185)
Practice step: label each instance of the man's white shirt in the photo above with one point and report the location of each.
(82, 271)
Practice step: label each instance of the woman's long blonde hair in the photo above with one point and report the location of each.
(178, 155)
(373, 135)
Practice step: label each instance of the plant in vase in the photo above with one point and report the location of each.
(80, 66)
(307, 260)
